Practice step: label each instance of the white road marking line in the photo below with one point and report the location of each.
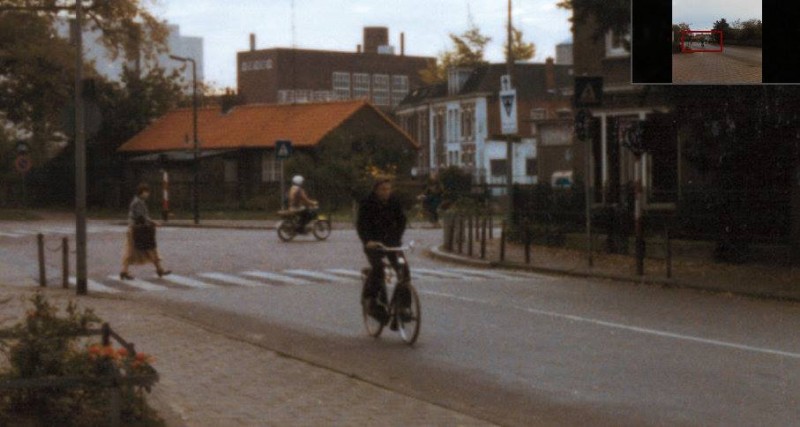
(188, 281)
(614, 325)
(277, 277)
(15, 235)
(94, 286)
(485, 274)
(138, 283)
(28, 232)
(348, 273)
(233, 280)
(315, 275)
(436, 273)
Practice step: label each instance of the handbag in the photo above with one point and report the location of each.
(144, 237)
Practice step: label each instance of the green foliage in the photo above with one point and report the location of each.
(609, 15)
(46, 347)
(520, 50)
(467, 51)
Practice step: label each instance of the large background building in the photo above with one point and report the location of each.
(374, 72)
(177, 44)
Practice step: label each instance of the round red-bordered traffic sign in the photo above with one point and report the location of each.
(23, 164)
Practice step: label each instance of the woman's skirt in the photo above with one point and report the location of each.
(133, 256)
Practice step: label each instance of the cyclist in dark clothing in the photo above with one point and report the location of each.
(381, 221)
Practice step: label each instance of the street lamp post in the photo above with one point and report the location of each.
(195, 189)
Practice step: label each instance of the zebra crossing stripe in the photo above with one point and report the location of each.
(233, 280)
(437, 273)
(187, 281)
(94, 286)
(484, 274)
(315, 275)
(348, 273)
(140, 284)
(277, 277)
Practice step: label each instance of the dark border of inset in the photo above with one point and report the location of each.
(685, 49)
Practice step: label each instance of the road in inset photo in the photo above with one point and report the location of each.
(735, 64)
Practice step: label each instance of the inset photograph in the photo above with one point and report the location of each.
(716, 42)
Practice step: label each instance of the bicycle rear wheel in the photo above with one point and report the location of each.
(408, 326)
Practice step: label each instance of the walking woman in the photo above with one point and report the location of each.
(140, 245)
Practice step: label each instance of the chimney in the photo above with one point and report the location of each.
(550, 74)
(252, 42)
(374, 37)
(402, 44)
(358, 49)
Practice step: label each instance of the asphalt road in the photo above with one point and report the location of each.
(516, 349)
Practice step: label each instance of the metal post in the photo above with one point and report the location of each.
(283, 186)
(65, 263)
(460, 234)
(483, 238)
(509, 146)
(195, 194)
(589, 199)
(503, 242)
(527, 237)
(165, 196)
(638, 217)
(80, 159)
(42, 271)
(470, 236)
(491, 226)
(669, 251)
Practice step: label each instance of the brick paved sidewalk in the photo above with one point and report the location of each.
(712, 68)
(212, 380)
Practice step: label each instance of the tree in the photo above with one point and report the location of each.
(608, 15)
(37, 67)
(468, 50)
(722, 25)
(520, 50)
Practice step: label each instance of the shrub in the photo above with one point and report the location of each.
(47, 346)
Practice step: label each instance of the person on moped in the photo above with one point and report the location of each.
(381, 222)
(301, 203)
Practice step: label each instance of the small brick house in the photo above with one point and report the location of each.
(237, 147)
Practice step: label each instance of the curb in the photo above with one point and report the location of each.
(436, 252)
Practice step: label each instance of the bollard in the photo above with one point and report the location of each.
(65, 263)
(460, 234)
(470, 235)
(483, 238)
(42, 271)
(527, 237)
(503, 242)
(669, 252)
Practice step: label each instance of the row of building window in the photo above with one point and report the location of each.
(381, 89)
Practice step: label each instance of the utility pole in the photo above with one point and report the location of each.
(196, 165)
(509, 142)
(80, 159)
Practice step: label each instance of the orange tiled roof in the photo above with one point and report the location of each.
(250, 126)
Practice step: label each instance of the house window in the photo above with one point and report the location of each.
(231, 171)
(270, 168)
(399, 89)
(380, 89)
(498, 167)
(453, 126)
(615, 44)
(341, 85)
(360, 86)
(468, 122)
(531, 166)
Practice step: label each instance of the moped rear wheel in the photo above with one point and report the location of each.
(286, 230)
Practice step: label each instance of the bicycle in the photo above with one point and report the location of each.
(407, 324)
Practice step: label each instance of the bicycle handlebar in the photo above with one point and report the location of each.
(383, 248)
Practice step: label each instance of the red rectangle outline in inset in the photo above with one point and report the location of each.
(684, 49)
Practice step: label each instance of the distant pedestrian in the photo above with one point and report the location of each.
(432, 197)
(140, 243)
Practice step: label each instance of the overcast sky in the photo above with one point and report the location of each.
(701, 14)
(337, 25)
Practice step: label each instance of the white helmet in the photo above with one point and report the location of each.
(297, 180)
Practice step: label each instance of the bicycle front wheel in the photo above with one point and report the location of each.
(373, 326)
(322, 229)
(409, 324)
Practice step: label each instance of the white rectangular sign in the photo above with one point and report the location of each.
(508, 111)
